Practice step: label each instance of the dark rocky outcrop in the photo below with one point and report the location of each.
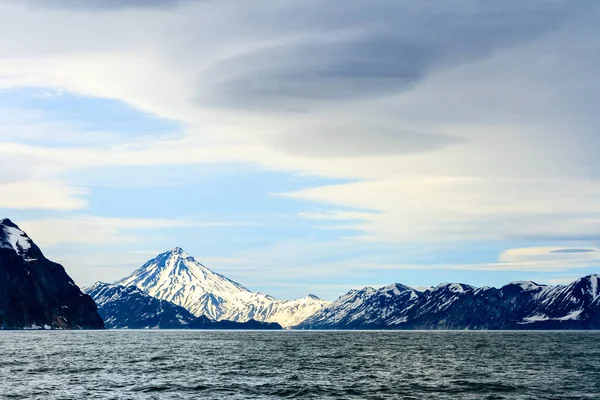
(36, 292)
(203, 322)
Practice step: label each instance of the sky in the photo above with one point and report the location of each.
(306, 146)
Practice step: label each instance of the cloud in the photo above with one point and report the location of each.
(101, 4)
(447, 119)
(551, 257)
(104, 230)
(372, 53)
(421, 208)
(356, 140)
(361, 268)
(45, 195)
(572, 251)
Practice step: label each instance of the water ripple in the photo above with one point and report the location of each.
(299, 365)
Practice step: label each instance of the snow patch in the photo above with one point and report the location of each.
(527, 285)
(15, 239)
(594, 286)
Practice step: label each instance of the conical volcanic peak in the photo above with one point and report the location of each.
(177, 277)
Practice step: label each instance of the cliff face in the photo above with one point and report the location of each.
(36, 292)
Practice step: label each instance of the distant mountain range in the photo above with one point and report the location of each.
(35, 292)
(174, 291)
(176, 278)
(518, 305)
(127, 307)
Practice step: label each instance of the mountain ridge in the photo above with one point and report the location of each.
(516, 305)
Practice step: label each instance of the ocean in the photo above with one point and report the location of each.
(299, 365)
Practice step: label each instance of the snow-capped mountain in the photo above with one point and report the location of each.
(176, 277)
(517, 305)
(364, 307)
(36, 292)
(127, 307)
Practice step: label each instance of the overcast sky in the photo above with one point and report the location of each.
(305, 146)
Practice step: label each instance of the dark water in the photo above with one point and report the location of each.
(304, 365)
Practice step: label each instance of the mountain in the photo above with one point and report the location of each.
(364, 308)
(36, 292)
(517, 305)
(128, 307)
(176, 277)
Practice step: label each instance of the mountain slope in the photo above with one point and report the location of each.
(365, 308)
(36, 292)
(176, 277)
(517, 305)
(128, 307)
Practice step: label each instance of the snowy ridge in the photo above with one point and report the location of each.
(366, 308)
(528, 285)
(177, 277)
(14, 238)
(454, 287)
(129, 308)
(517, 305)
(575, 302)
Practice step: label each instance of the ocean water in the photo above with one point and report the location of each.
(301, 365)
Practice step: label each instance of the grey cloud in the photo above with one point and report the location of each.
(293, 76)
(555, 237)
(101, 4)
(352, 141)
(571, 251)
(366, 53)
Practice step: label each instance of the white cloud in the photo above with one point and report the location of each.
(552, 258)
(517, 103)
(41, 195)
(443, 208)
(102, 230)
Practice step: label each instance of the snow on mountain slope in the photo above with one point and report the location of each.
(517, 305)
(180, 279)
(576, 301)
(292, 312)
(14, 238)
(177, 277)
(128, 307)
(364, 308)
